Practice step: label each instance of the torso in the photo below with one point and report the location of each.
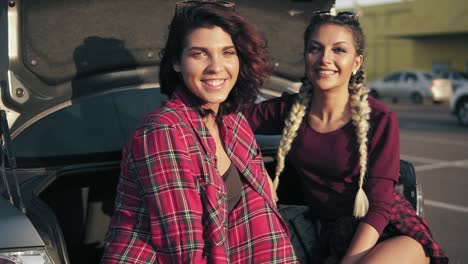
(328, 164)
(223, 161)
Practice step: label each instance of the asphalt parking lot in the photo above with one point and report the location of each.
(437, 146)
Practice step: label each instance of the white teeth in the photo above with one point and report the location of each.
(214, 82)
(326, 72)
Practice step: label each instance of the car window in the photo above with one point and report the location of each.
(463, 75)
(428, 76)
(445, 75)
(459, 76)
(410, 77)
(392, 77)
(93, 125)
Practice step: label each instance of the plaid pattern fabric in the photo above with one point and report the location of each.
(171, 204)
(404, 220)
(336, 236)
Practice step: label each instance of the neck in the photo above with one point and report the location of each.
(212, 107)
(330, 106)
(210, 122)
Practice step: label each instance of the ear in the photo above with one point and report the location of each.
(357, 63)
(176, 66)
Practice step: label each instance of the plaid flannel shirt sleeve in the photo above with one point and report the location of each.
(158, 215)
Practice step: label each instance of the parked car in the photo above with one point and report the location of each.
(457, 78)
(459, 105)
(70, 97)
(415, 85)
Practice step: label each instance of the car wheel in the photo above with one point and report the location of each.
(416, 98)
(374, 94)
(462, 112)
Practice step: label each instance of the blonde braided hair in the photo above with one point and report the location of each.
(291, 125)
(360, 113)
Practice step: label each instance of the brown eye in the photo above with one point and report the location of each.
(313, 49)
(229, 52)
(197, 54)
(339, 50)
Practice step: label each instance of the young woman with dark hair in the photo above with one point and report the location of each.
(344, 147)
(193, 187)
(250, 50)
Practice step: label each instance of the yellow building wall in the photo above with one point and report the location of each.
(415, 35)
(450, 49)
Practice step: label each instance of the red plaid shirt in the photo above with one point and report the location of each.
(171, 204)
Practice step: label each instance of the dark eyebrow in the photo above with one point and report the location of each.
(341, 42)
(206, 50)
(336, 43)
(229, 47)
(197, 48)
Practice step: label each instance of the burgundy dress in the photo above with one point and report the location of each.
(328, 168)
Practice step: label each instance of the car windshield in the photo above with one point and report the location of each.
(93, 125)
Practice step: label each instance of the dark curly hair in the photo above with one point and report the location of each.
(250, 47)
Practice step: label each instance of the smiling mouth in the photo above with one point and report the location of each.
(325, 73)
(214, 82)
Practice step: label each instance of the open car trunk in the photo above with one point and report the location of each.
(82, 201)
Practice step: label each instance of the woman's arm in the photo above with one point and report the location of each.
(384, 162)
(158, 214)
(363, 241)
(268, 116)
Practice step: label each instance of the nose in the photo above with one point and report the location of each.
(215, 64)
(327, 57)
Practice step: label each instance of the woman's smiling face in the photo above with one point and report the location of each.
(209, 65)
(331, 57)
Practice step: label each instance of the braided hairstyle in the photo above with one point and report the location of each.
(358, 102)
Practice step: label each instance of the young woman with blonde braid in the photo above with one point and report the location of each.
(344, 147)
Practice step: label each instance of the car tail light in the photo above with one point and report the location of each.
(21, 256)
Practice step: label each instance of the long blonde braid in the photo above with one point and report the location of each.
(291, 125)
(360, 116)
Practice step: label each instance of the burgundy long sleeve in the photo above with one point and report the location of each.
(328, 163)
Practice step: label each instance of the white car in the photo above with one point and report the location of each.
(415, 85)
(457, 78)
(459, 104)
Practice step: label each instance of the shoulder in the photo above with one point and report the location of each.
(380, 112)
(383, 123)
(170, 116)
(287, 99)
(161, 130)
(282, 103)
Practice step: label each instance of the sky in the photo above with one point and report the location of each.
(349, 3)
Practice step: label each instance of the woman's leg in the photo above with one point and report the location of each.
(399, 249)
